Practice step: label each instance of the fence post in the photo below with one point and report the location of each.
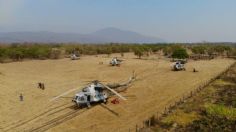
(157, 117)
(149, 122)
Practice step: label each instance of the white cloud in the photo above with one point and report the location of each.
(8, 8)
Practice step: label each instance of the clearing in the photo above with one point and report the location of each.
(156, 87)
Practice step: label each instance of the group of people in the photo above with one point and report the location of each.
(40, 85)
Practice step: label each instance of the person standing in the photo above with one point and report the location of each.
(21, 97)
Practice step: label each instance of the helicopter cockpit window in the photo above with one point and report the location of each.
(76, 97)
(99, 89)
(82, 98)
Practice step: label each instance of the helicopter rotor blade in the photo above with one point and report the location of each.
(63, 94)
(89, 81)
(113, 91)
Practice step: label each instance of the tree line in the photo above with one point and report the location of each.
(17, 52)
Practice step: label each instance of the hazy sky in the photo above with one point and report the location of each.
(172, 20)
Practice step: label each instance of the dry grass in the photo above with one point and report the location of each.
(211, 109)
(157, 86)
(181, 118)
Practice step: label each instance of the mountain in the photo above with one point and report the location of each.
(101, 36)
(46, 37)
(117, 35)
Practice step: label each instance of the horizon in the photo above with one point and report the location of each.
(171, 20)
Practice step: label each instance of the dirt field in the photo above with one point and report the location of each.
(156, 87)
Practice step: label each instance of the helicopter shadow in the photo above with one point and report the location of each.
(110, 110)
(74, 107)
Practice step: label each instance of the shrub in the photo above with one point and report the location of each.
(221, 111)
(55, 53)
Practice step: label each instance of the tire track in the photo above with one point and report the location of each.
(19, 124)
(56, 121)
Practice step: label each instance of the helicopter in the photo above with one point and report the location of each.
(178, 66)
(115, 61)
(94, 92)
(97, 92)
(75, 55)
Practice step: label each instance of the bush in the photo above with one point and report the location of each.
(212, 124)
(55, 53)
(215, 118)
(221, 111)
(232, 52)
(37, 52)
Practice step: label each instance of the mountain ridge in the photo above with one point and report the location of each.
(106, 35)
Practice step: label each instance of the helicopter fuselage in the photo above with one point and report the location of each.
(178, 66)
(115, 62)
(91, 94)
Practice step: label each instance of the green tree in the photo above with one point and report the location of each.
(169, 49)
(138, 51)
(16, 53)
(199, 49)
(2, 52)
(180, 53)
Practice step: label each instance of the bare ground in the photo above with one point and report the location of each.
(156, 87)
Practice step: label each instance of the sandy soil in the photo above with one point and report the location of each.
(156, 87)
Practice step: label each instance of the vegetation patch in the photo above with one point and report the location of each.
(19, 51)
(181, 118)
(180, 53)
(221, 111)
